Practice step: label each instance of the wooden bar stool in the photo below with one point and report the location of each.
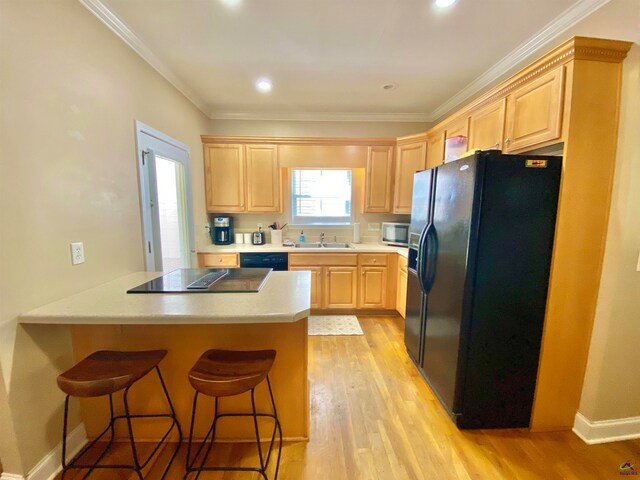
(224, 373)
(104, 373)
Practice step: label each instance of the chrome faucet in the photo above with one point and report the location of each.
(321, 238)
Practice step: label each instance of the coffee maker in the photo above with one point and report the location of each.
(222, 232)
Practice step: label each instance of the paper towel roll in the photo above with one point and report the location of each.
(356, 233)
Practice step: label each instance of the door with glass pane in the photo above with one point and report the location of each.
(165, 180)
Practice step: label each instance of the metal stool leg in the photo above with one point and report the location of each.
(275, 414)
(175, 422)
(132, 441)
(255, 424)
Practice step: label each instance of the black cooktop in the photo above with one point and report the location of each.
(207, 280)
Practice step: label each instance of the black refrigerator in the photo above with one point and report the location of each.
(480, 246)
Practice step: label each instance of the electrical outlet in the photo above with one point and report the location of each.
(373, 227)
(77, 253)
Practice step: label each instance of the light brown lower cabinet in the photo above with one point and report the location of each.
(401, 299)
(218, 260)
(347, 281)
(373, 287)
(316, 284)
(341, 287)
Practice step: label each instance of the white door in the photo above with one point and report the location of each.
(165, 194)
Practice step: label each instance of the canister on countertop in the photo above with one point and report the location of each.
(247, 238)
(239, 238)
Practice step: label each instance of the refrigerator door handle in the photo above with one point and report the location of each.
(431, 255)
(421, 260)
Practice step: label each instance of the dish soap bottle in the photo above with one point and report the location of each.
(301, 236)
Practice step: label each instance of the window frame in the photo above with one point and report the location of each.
(320, 221)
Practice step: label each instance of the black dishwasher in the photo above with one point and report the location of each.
(275, 260)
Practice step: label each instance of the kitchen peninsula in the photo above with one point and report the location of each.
(107, 318)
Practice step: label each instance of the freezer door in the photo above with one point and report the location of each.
(448, 243)
(421, 205)
(413, 324)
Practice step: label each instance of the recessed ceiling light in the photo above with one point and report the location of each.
(264, 85)
(444, 3)
(231, 3)
(390, 86)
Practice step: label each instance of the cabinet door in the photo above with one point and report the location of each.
(401, 299)
(410, 158)
(486, 127)
(373, 287)
(378, 183)
(435, 149)
(534, 112)
(316, 284)
(341, 287)
(263, 178)
(459, 126)
(224, 178)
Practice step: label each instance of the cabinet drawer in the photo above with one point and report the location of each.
(225, 260)
(379, 259)
(323, 259)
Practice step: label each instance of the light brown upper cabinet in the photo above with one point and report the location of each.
(410, 158)
(378, 184)
(242, 178)
(459, 126)
(486, 127)
(435, 148)
(224, 177)
(534, 112)
(263, 178)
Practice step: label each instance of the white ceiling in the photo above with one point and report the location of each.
(328, 59)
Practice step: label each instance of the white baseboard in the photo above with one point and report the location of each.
(604, 431)
(11, 476)
(50, 465)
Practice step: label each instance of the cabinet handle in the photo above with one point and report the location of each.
(363, 274)
(495, 145)
(507, 141)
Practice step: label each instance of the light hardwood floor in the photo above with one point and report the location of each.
(373, 417)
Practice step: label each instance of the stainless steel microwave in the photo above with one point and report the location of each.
(395, 234)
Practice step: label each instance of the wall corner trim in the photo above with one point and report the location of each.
(50, 466)
(605, 431)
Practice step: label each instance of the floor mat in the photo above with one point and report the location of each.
(334, 325)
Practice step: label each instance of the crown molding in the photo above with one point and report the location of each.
(324, 116)
(104, 13)
(559, 25)
(571, 16)
(289, 141)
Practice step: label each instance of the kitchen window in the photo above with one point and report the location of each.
(321, 197)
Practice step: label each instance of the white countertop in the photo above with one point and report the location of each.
(285, 297)
(357, 248)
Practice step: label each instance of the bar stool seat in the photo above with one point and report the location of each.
(107, 371)
(104, 373)
(222, 373)
(225, 373)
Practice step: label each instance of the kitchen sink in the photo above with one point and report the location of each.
(308, 245)
(337, 245)
(323, 245)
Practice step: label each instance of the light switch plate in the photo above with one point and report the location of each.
(77, 253)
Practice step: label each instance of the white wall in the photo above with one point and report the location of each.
(71, 91)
